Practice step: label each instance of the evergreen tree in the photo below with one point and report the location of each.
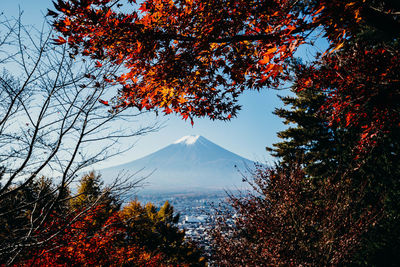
(155, 229)
(328, 148)
(24, 214)
(309, 140)
(91, 193)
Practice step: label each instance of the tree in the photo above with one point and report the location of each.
(337, 210)
(346, 137)
(156, 230)
(51, 117)
(87, 243)
(36, 197)
(361, 110)
(332, 152)
(196, 57)
(340, 132)
(323, 148)
(134, 236)
(361, 88)
(289, 220)
(91, 190)
(366, 103)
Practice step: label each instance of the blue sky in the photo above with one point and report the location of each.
(247, 135)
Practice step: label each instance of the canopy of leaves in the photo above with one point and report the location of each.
(195, 57)
(331, 151)
(362, 90)
(80, 245)
(293, 221)
(92, 230)
(156, 230)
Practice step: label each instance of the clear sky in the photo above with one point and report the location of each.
(247, 135)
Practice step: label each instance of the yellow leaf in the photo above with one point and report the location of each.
(271, 50)
(264, 60)
(337, 47)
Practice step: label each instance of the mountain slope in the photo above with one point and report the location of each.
(190, 163)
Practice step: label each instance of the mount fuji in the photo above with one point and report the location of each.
(191, 163)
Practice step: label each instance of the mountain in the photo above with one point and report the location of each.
(190, 163)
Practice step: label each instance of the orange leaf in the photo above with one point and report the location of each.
(337, 47)
(59, 41)
(318, 11)
(104, 102)
(264, 61)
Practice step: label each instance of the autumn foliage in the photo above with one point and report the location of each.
(80, 243)
(196, 57)
(93, 230)
(293, 221)
(362, 88)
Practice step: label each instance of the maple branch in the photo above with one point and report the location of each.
(235, 38)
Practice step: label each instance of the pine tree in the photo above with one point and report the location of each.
(92, 191)
(322, 150)
(156, 229)
(327, 148)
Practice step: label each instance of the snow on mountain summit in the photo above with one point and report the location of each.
(187, 140)
(191, 162)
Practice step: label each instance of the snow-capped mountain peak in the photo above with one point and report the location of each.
(190, 162)
(187, 140)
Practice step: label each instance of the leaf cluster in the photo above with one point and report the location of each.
(93, 229)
